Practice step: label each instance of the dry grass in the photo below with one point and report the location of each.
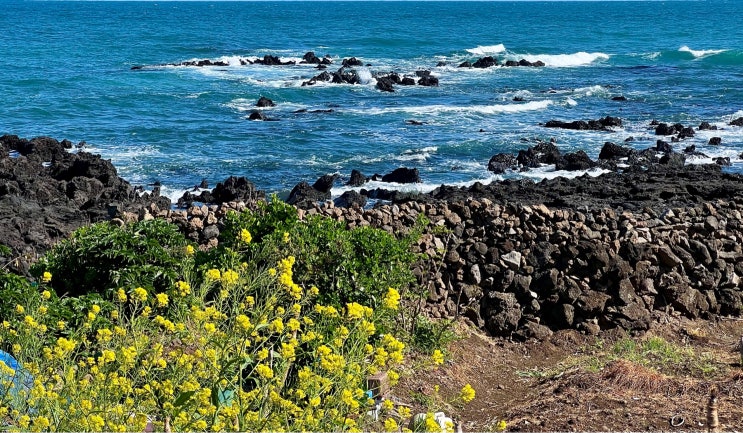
(633, 377)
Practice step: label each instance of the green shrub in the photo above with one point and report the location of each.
(428, 335)
(348, 265)
(102, 257)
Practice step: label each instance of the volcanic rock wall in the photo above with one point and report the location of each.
(524, 271)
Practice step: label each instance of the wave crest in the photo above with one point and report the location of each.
(564, 60)
(699, 53)
(476, 109)
(487, 50)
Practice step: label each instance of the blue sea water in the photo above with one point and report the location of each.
(66, 72)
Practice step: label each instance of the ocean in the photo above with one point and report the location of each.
(66, 71)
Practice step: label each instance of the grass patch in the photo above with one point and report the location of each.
(650, 356)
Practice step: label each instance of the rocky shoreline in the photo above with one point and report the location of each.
(519, 259)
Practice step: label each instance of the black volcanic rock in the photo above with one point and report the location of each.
(269, 60)
(257, 115)
(737, 122)
(385, 84)
(715, 141)
(325, 182)
(350, 199)
(575, 161)
(542, 153)
(235, 189)
(265, 102)
(305, 196)
(428, 80)
(42, 203)
(614, 151)
(485, 62)
(501, 162)
(357, 178)
(310, 57)
(663, 146)
(403, 175)
(602, 124)
(353, 61)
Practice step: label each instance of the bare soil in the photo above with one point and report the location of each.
(553, 385)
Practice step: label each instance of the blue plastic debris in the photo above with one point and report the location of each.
(19, 379)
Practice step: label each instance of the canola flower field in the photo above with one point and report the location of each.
(225, 340)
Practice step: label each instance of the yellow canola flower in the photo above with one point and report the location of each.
(46, 277)
(230, 277)
(106, 357)
(264, 371)
(190, 250)
(277, 325)
(121, 295)
(184, 289)
(501, 425)
(393, 376)
(467, 394)
(96, 422)
(243, 322)
(213, 274)
(162, 299)
(437, 357)
(64, 346)
(390, 425)
(391, 300)
(139, 294)
(354, 311)
(41, 423)
(45, 295)
(431, 424)
(104, 335)
(19, 309)
(348, 399)
(292, 325)
(30, 322)
(245, 236)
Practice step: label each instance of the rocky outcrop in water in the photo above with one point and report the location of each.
(603, 124)
(47, 192)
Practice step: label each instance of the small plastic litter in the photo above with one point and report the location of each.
(19, 379)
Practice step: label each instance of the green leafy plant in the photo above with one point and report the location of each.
(357, 265)
(102, 257)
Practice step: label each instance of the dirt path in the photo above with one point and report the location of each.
(660, 381)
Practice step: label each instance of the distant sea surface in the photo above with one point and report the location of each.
(66, 72)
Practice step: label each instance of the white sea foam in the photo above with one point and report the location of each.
(591, 90)
(412, 187)
(476, 109)
(419, 155)
(571, 102)
(651, 56)
(549, 172)
(364, 75)
(562, 60)
(700, 53)
(738, 114)
(487, 50)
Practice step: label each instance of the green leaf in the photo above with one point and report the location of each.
(183, 398)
